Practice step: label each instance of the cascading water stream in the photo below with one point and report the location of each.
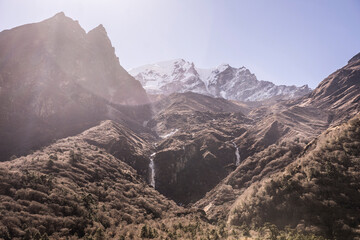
(237, 154)
(152, 170)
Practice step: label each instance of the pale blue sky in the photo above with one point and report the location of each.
(286, 42)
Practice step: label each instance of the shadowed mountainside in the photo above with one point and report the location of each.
(57, 80)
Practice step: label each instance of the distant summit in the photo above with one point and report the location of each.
(223, 81)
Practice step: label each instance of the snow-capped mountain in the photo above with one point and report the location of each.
(223, 81)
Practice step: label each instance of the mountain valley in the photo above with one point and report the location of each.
(171, 151)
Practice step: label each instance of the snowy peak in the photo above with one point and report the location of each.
(223, 67)
(222, 81)
(168, 77)
(162, 68)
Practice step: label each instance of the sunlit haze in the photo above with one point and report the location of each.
(286, 42)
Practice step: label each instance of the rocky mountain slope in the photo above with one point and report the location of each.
(223, 81)
(265, 167)
(77, 187)
(196, 134)
(316, 193)
(86, 186)
(57, 80)
(202, 136)
(339, 92)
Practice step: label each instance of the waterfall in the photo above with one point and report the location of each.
(237, 154)
(152, 170)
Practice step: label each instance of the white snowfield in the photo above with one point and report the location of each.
(223, 81)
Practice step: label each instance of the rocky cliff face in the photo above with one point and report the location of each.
(223, 81)
(57, 80)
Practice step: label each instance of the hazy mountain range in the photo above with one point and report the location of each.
(86, 153)
(224, 81)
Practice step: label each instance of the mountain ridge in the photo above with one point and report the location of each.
(312, 119)
(57, 80)
(223, 81)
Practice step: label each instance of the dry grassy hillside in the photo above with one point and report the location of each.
(74, 188)
(317, 193)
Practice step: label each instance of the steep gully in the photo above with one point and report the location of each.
(152, 173)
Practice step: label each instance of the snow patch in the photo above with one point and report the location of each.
(223, 94)
(223, 67)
